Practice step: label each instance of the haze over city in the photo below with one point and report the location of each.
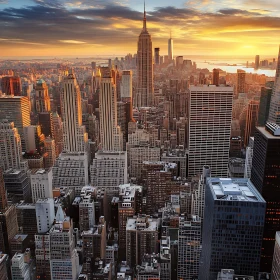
(75, 28)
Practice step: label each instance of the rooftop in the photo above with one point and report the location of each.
(234, 189)
(267, 133)
(142, 223)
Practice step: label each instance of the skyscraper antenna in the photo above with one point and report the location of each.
(144, 20)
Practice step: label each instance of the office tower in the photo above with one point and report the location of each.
(74, 135)
(210, 111)
(109, 170)
(94, 245)
(44, 214)
(257, 62)
(64, 260)
(126, 85)
(228, 233)
(145, 83)
(20, 267)
(34, 139)
(157, 56)
(49, 155)
(240, 82)
(3, 193)
(17, 185)
(71, 170)
(170, 48)
(8, 229)
(275, 272)
(216, 77)
(41, 184)
(86, 213)
(274, 110)
(11, 86)
(165, 258)
(45, 120)
(4, 266)
(189, 247)
(10, 146)
(265, 176)
(141, 238)
(57, 134)
(16, 109)
(266, 93)
(249, 158)
(110, 133)
(129, 204)
(251, 120)
(138, 155)
(42, 99)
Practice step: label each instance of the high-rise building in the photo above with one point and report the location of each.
(45, 120)
(3, 193)
(49, 155)
(11, 86)
(57, 133)
(141, 238)
(86, 213)
(4, 266)
(126, 84)
(157, 56)
(275, 272)
(41, 184)
(189, 247)
(130, 198)
(216, 77)
(110, 132)
(170, 48)
(16, 109)
(10, 146)
(17, 185)
(20, 267)
(109, 170)
(74, 134)
(210, 111)
(42, 99)
(265, 176)
(274, 110)
(64, 260)
(71, 170)
(251, 120)
(257, 62)
(145, 83)
(266, 93)
(232, 228)
(44, 214)
(240, 82)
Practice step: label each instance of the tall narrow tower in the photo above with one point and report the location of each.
(170, 48)
(145, 86)
(274, 111)
(42, 99)
(74, 134)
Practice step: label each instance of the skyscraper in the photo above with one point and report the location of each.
(145, 84)
(232, 228)
(170, 48)
(251, 120)
(210, 111)
(274, 111)
(216, 77)
(16, 109)
(240, 84)
(11, 86)
(266, 93)
(265, 176)
(42, 99)
(110, 132)
(10, 146)
(74, 134)
(157, 56)
(275, 272)
(257, 62)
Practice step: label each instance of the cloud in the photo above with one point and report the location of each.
(3, 2)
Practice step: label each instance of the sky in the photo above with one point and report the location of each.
(107, 27)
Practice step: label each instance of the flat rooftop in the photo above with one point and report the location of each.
(266, 133)
(234, 189)
(211, 88)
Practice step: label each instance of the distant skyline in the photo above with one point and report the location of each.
(107, 27)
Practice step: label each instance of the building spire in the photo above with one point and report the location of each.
(144, 19)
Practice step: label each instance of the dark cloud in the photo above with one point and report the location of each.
(238, 12)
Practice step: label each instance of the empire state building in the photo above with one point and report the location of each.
(145, 85)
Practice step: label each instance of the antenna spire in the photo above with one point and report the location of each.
(144, 19)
